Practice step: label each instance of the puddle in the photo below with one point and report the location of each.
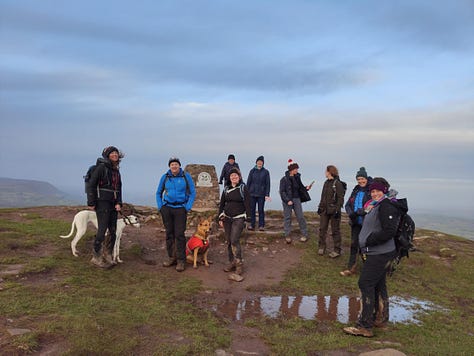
(344, 309)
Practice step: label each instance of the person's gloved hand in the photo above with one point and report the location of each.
(360, 212)
(337, 214)
(320, 211)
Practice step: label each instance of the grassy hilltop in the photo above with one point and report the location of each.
(69, 307)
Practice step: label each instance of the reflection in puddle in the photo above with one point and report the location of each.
(343, 309)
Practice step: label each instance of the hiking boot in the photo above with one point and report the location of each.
(180, 266)
(321, 251)
(303, 239)
(261, 228)
(346, 273)
(230, 267)
(170, 262)
(288, 240)
(334, 254)
(98, 261)
(250, 228)
(107, 256)
(358, 331)
(382, 325)
(239, 267)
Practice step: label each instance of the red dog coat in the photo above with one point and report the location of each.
(195, 242)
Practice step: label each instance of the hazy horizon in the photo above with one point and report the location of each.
(388, 86)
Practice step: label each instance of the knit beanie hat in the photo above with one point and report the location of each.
(231, 156)
(109, 150)
(361, 173)
(378, 186)
(260, 158)
(292, 165)
(174, 159)
(235, 170)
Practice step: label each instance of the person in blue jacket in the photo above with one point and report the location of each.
(175, 198)
(355, 210)
(258, 184)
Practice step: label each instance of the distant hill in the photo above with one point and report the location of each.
(16, 193)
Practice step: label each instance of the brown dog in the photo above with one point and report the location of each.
(199, 243)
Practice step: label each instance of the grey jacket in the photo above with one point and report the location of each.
(379, 228)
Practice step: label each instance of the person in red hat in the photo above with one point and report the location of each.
(293, 193)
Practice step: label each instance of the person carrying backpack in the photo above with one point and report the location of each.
(378, 249)
(234, 210)
(104, 195)
(329, 210)
(355, 210)
(175, 197)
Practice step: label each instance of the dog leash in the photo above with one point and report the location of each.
(125, 218)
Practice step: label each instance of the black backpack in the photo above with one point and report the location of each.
(403, 239)
(88, 175)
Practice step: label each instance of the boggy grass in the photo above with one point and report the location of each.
(149, 310)
(446, 282)
(92, 311)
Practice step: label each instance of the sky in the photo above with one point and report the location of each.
(381, 84)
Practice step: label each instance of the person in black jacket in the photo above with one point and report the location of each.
(258, 183)
(231, 163)
(104, 195)
(234, 209)
(355, 210)
(377, 245)
(293, 193)
(329, 210)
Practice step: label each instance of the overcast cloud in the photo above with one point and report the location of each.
(385, 85)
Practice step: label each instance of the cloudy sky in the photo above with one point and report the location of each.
(381, 84)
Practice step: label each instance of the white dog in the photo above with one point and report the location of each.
(82, 218)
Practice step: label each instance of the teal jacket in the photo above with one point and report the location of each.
(176, 191)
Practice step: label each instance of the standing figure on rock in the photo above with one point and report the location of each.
(355, 210)
(175, 197)
(329, 210)
(234, 208)
(293, 193)
(231, 163)
(258, 183)
(104, 195)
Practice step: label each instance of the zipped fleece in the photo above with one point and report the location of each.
(380, 227)
(173, 191)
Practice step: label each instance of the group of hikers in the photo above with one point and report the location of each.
(372, 208)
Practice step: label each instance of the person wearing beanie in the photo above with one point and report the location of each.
(104, 196)
(293, 193)
(329, 211)
(234, 210)
(258, 183)
(377, 245)
(175, 197)
(231, 163)
(355, 210)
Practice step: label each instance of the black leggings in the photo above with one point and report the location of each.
(106, 219)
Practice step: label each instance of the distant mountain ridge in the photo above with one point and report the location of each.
(18, 193)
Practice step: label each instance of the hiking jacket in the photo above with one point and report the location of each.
(290, 187)
(332, 197)
(176, 191)
(225, 172)
(232, 203)
(356, 214)
(258, 182)
(380, 227)
(104, 184)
